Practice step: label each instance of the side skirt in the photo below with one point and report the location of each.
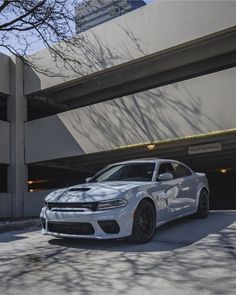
(175, 218)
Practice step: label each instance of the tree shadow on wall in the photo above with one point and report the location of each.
(167, 112)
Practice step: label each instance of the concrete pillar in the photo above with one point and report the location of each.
(17, 115)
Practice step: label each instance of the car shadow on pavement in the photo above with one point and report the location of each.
(177, 234)
(16, 235)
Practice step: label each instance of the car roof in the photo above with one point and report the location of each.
(145, 160)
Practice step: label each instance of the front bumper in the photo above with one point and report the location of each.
(57, 223)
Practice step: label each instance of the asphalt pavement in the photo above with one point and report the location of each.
(189, 256)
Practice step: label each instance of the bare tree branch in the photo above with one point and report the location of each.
(23, 16)
(4, 5)
(27, 25)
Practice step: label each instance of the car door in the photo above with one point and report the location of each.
(171, 205)
(187, 186)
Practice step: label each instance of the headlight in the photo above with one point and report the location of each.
(111, 204)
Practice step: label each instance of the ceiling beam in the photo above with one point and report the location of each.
(47, 105)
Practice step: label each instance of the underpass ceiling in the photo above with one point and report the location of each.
(178, 150)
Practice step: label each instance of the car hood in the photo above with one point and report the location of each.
(93, 192)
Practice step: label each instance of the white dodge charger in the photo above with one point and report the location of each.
(127, 199)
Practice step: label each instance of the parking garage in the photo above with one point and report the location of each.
(190, 120)
(183, 110)
(147, 96)
(146, 112)
(187, 106)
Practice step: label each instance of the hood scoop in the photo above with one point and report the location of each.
(79, 189)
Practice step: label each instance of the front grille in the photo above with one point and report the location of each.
(71, 228)
(88, 205)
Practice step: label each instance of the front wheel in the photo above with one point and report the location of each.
(144, 222)
(203, 205)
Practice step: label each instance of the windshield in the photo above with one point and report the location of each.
(126, 172)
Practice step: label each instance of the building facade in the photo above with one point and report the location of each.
(95, 12)
(160, 88)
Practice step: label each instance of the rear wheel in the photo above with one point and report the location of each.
(203, 205)
(144, 222)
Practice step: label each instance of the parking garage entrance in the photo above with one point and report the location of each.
(213, 154)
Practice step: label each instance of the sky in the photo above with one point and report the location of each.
(39, 45)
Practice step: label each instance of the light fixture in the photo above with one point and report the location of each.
(30, 182)
(223, 170)
(151, 147)
(31, 190)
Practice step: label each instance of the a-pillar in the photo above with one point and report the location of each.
(17, 115)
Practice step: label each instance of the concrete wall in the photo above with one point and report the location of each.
(198, 105)
(4, 142)
(5, 205)
(33, 203)
(47, 139)
(4, 74)
(164, 24)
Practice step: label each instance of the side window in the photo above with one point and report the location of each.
(181, 170)
(166, 167)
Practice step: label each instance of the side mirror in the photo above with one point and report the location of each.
(165, 176)
(88, 179)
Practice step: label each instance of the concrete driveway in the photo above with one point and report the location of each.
(189, 256)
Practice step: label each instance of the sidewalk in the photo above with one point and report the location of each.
(10, 225)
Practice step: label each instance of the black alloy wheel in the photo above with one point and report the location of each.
(203, 205)
(144, 222)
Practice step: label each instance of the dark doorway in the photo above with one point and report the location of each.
(3, 178)
(222, 190)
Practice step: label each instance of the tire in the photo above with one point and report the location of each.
(144, 222)
(203, 205)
